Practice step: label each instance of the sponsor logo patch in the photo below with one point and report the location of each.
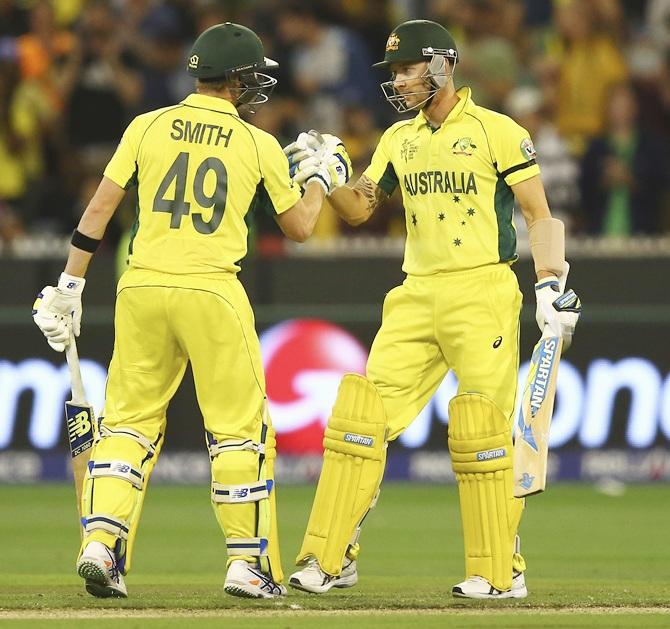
(193, 61)
(487, 455)
(527, 149)
(361, 440)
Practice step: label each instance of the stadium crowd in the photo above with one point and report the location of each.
(590, 80)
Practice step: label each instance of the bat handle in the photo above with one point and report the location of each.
(78, 394)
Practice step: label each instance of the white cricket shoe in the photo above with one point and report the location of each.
(97, 565)
(247, 581)
(312, 579)
(478, 587)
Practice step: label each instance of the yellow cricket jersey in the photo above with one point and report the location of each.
(199, 169)
(455, 184)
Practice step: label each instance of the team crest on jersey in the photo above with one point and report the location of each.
(463, 146)
(527, 149)
(392, 42)
(408, 149)
(193, 61)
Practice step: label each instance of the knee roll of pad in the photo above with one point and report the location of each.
(480, 443)
(354, 458)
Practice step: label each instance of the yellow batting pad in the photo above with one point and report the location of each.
(114, 489)
(354, 458)
(480, 442)
(243, 498)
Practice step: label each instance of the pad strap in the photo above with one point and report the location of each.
(105, 522)
(254, 546)
(128, 433)
(228, 445)
(250, 492)
(116, 469)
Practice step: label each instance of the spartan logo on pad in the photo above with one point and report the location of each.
(304, 361)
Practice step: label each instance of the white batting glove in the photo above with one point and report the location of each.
(557, 311)
(320, 157)
(57, 310)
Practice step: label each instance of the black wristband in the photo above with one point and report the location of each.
(84, 242)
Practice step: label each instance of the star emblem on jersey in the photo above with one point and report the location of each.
(193, 61)
(462, 222)
(471, 211)
(457, 199)
(441, 216)
(457, 242)
(413, 219)
(408, 149)
(463, 146)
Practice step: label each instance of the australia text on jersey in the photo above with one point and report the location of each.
(427, 182)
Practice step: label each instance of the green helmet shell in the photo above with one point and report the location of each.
(418, 40)
(226, 49)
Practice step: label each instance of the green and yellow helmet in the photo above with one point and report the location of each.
(419, 40)
(231, 51)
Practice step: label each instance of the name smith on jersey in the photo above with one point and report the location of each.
(200, 133)
(427, 182)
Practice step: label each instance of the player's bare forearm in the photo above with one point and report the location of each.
(93, 223)
(356, 205)
(298, 221)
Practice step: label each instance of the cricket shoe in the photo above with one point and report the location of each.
(97, 565)
(247, 581)
(312, 579)
(478, 587)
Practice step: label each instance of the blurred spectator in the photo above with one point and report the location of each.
(101, 85)
(560, 171)
(658, 23)
(330, 65)
(20, 150)
(624, 172)
(589, 62)
(488, 62)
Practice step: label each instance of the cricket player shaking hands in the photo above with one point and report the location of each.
(459, 167)
(199, 168)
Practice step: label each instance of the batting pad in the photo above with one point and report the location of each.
(243, 498)
(121, 463)
(353, 465)
(480, 442)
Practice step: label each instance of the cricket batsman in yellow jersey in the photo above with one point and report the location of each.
(459, 168)
(199, 168)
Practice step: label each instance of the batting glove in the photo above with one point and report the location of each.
(557, 311)
(57, 310)
(320, 157)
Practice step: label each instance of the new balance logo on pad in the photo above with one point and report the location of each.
(361, 440)
(491, 454)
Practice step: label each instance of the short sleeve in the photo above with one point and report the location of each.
(122, 168)
(381, 169)
(281, 193)
(514, 152)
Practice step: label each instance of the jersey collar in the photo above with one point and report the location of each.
(465, 103)
(210, 102)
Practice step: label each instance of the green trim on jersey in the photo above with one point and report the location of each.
(503, 202)
(389, 180)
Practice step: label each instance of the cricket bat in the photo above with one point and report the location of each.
(537, 404)
(80, 422)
